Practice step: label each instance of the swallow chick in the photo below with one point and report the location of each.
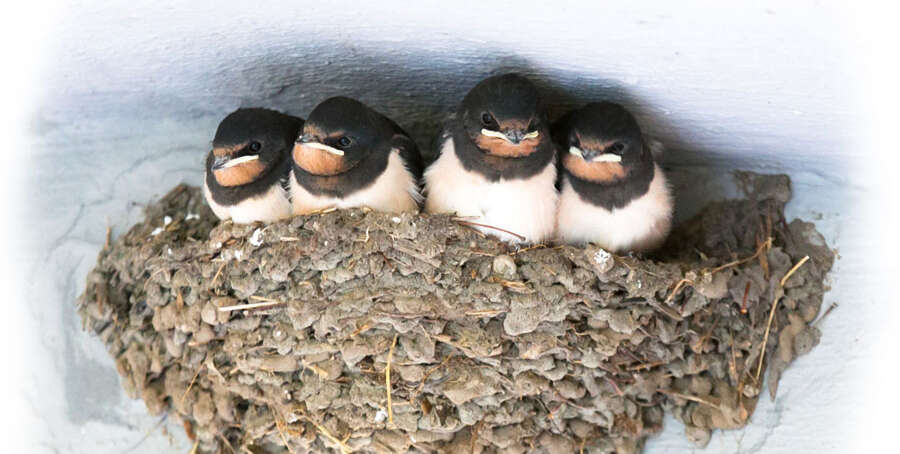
(246, 171)
(352, 156)
(612, 192)
(496, 163)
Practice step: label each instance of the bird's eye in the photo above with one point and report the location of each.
(344, 142)
(487, 119)
(255, 146)
(616, 148)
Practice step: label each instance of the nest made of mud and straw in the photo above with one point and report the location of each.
(478, 347)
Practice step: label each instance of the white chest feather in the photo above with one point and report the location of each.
(640, 226)
(269, 206)
(395, 190)
(523, 206)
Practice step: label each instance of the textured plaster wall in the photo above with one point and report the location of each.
(130, 95)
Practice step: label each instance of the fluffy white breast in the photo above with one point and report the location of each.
(395, 190)
(526, 207)
(269, 206)
(640, 226)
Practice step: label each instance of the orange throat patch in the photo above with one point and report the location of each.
(318, 162)
(595, 172)
(239, 174)
(496, 146)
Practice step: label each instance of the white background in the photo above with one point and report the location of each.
(107, 104)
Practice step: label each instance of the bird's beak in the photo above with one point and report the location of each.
(323, 147)
(591, 157)
(514, 136)
(606, 157)
(223, 162)
(576, 151)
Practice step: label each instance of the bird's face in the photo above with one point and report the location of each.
(248, 143)
(503, 117)
(603, 143)
(339, 134)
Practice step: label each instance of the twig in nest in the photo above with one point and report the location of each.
(108, 235)
(194, 449)
(318, 370)
(765, 245)
(518, 285)
(615, 386)
(191, 384)
(225, 441)
(418, 255)
(428, 374)
(179, 300)
(480, 252)
(793, 269)
(678, 286)
(341, 445)
(363, 328)
(320, 211)
(387, 380)
(732, 365)
(690, 398)
(762, 351)
(764, 258)
(702, 341)
(531, 248)
(552, 413)
(744, 302)
(188, 429)
(388, 261)
(645, 366)
(218, 272)
(99, 301)
(827, 311)
(239, 307)
(671, 313)
(278, 424)
(474, 437)
(485, 312)
(476, 224)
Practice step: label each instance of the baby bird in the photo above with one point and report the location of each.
(246, 171)
(351, 156)
(612, 193)
(496, 164)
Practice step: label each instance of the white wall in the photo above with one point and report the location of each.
(766, 82)
(130, 95)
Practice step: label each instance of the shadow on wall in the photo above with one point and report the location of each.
(419, 88)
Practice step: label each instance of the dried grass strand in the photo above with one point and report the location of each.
(191, 384)
(387, 380)
(476, 224)
(239, 307)
(762, 351)
(325, 433)
(792, 270)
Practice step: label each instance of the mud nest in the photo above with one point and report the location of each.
(372, 332)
